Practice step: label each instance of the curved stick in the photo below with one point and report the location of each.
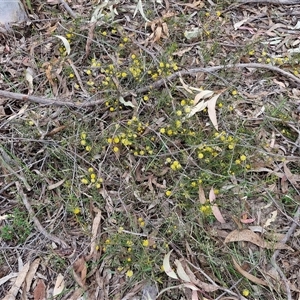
(156, 84)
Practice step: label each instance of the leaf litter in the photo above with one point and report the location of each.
(274, 167)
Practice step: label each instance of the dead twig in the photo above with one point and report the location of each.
(155, 85)
(37, 223)
(68, 9)
(284, 279)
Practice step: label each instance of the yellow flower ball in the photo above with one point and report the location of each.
(145, 243)
(246, 292)
(76, 210)
(168, 193)
(243, 157)
(84, 181)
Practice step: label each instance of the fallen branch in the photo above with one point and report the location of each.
(68, 9)
(155, 85)
(279, 2)
(36, 222)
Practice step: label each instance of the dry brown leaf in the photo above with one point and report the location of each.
(248, 275)
(271, 219)
(201, 193)
(211, 109)
(289, 175)
(80, 271)
(215, 210)
(32, 270)
(59, 285)
(165, 30)
(247, 235)
(205, 286)
(56, 185)
(95, 228)
(11, 295)
(39, 292)
(182, 52)
(272, 172)
(157, 34)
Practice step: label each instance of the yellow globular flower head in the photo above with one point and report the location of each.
(116, 140)
(178, 124)
(243, 157)
(187, 109)
(84, 181)
(169, 132)
(83, 135)
(76, 210)
(83, 142)
(129, 273)
(145, 243)
(175, 165)
(116, 149)
(88, 148)
(234, 92)
(162, 130)
(168, 193)
(206, 209)
(90, 82)
(129, 243)
(246, 292)
(90, 170)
